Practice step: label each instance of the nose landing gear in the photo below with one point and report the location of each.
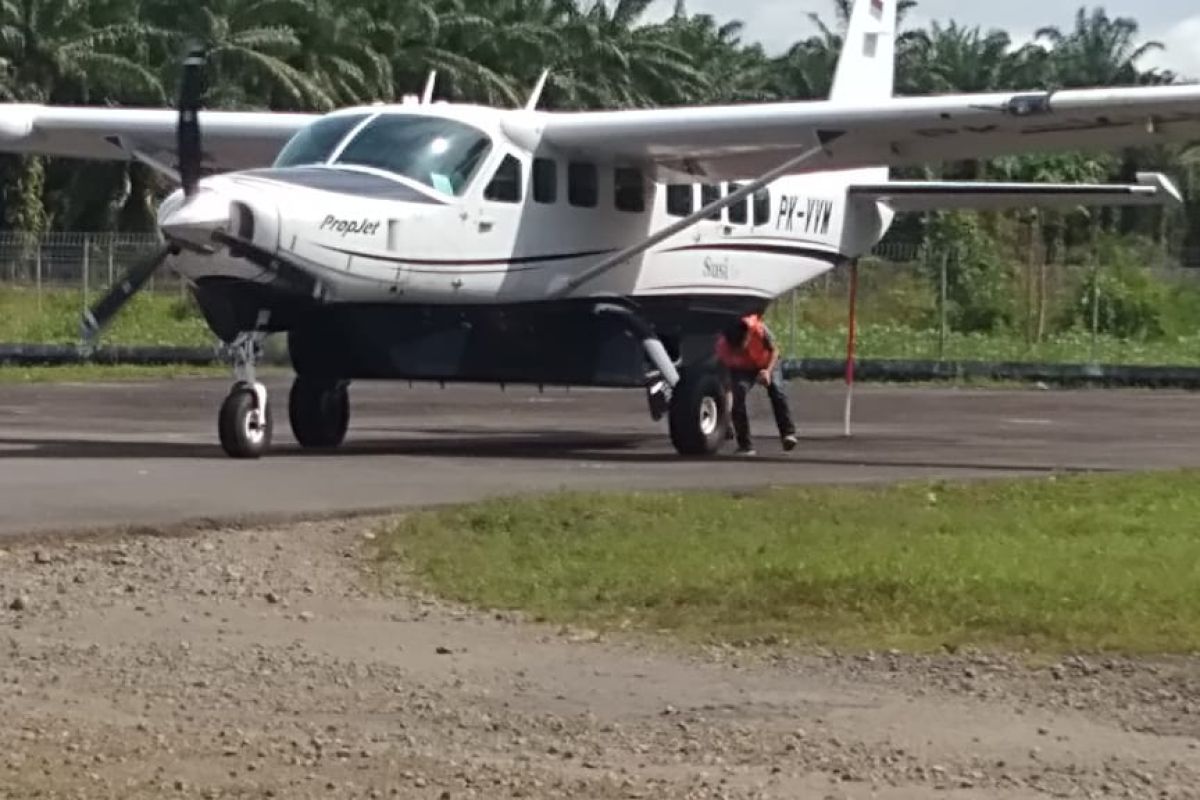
(244, 423)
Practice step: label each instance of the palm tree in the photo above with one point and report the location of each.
(250, 52)
(605, 58)
(1099, 51)
(442, 35)
(733, 72)
(336, 50)
(67, 51)
(954, 58)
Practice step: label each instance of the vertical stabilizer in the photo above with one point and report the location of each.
(866, 71)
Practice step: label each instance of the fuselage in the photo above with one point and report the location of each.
(461, 216)
(493, 218)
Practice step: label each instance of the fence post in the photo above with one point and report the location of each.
(87, 248)
(1095, 306)
(38, 268)
(942, 280)
(792, 327)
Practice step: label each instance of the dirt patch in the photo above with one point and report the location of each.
(262, 663)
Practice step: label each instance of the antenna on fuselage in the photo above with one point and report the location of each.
(430, 82)
(536, 96)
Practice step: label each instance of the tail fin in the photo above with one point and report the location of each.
(866, 70)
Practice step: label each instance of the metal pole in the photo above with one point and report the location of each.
(38, 267)
(851, 342)
(1095, 307)
(110, 260)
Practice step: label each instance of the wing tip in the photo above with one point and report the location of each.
(16, 123)
(1162, 185)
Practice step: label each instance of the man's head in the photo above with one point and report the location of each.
(736, 332)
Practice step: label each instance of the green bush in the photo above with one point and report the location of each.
(1131, 303)
(981, 288)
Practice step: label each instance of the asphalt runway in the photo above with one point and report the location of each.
(76, 456)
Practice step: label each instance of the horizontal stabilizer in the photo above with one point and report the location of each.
(1152, 188)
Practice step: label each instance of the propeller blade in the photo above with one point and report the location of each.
(191, 86)
(99, 315)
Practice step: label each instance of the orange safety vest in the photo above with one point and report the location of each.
(754, 356)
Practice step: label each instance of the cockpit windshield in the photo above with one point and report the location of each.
(315, 143)
(438, 152)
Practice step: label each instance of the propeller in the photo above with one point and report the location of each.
(191, 86)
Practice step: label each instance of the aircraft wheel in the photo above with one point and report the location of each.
(698, 415)
(245, 431)
(319, 410)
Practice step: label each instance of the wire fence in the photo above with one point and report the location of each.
(78, 261)
(914, 302)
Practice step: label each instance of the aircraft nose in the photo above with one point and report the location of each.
(195, 219)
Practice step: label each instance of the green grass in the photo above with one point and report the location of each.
(1107, 563)
(81, 373)
(167, 319)
(900, 342)
(150, 318)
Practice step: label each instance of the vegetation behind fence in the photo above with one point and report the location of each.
(1119, 301)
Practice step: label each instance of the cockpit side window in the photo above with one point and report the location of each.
(505, 186)
(315, 143)
(441, 153)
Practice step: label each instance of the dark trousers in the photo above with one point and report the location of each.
(740, 383)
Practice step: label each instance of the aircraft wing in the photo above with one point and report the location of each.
(232, 139)
(1151, 189)
(743, 141)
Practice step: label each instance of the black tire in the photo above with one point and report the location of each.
(239, 437)
(699, 415)
(319, 411)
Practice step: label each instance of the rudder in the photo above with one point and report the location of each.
(866, 70)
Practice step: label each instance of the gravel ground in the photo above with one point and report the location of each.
(266, 663)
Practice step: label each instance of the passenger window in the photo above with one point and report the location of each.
(545, 180)
(762, 207)
(629, 190)
(506, 183)
(737, 211)
(710, 193)
(582, 180)
(681, 199)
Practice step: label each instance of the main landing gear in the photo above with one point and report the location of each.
(319, 411)
(318, 407)
(699, 414)
(693, 399)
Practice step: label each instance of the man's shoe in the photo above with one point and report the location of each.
(746, 452)
(789, 443)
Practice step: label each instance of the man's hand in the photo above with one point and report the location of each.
(764, 377)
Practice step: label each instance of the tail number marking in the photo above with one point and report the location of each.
(809, 215)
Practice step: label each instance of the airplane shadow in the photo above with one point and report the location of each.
(559, 445)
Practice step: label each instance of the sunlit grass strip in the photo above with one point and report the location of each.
(1077, 564)
(150, 318)
(99, 373)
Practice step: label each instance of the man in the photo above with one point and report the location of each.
(747, 352)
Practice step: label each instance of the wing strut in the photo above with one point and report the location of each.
(564, 284)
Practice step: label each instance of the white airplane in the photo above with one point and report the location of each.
(446, 242)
